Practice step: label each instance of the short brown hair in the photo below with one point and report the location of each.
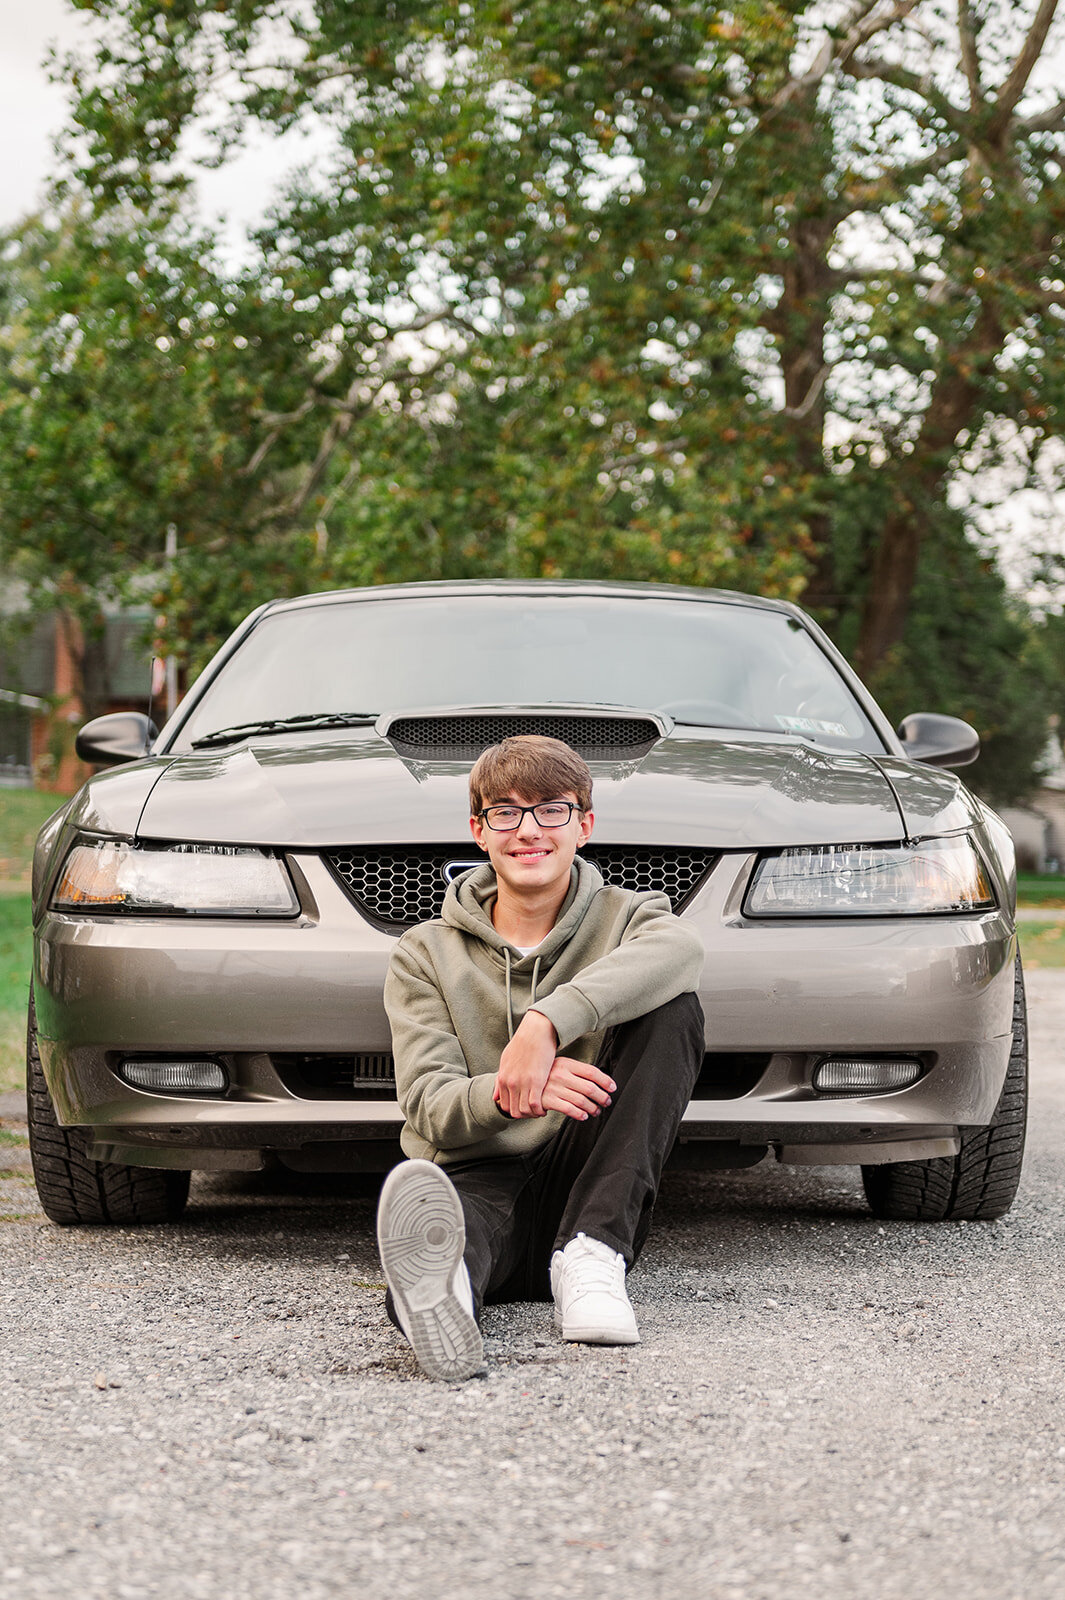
(532, 765)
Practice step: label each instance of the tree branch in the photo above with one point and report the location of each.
(278, 421)
(867, 27)
(332, 436)
(969, 58)
(865, 20)
(902, 78)
(341, 489)
(871, 196)
(1017, 82)
(811, 397)
(1051, 121)
(356, 403)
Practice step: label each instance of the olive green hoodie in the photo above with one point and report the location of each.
(456, 990)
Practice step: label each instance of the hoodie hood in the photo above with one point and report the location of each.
(470, 898)
(468, 907)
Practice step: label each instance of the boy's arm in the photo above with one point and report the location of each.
(658, 958)
(444, 1104)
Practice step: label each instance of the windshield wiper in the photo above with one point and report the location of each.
(307, 719)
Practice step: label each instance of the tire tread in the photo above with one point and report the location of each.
(74, 1189)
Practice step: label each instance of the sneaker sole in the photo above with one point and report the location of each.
(421, 1235)
(593, 1335)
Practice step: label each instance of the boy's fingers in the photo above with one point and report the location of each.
(595, 1098)
(569, 1098)
(593, 1091)
(571, 1106)
(589, 1073)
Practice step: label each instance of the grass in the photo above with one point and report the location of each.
(1041, 889)
(15, 947)
(21, 813)
(1042, 944)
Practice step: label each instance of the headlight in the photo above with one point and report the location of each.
(180, 880)
(869, 880)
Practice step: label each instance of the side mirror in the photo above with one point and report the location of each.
(111, 740)
(939, 741)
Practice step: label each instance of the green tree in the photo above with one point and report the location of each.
(720, 295)
(124, 406)
(681, 270)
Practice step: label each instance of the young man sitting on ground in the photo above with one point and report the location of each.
(546, 1041)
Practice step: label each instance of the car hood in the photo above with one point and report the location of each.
(692, 789)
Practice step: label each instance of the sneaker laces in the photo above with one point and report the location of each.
(599, 1266)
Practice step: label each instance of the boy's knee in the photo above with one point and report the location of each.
(686, 1006)
(682, 1014)
(679, 1020)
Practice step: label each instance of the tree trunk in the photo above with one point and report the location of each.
(886, 607)
(797, 323)
(921, 479)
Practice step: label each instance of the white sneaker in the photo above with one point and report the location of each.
(588, 1285)
(421, 1235)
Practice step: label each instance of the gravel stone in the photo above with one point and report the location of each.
(821, 1406)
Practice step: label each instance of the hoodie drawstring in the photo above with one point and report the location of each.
(510, 1009)
(532, 994)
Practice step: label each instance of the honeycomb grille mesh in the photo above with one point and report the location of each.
(463, 738)
(397, 887)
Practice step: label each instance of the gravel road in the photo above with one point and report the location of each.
(822, 1405)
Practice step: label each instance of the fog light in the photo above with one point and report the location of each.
(176, 1077)
(853, 1075)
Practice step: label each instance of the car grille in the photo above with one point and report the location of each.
(324, 1077)
(726, 1075)
(398, 887)
(463, 738)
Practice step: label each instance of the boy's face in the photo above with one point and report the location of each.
(532, 857)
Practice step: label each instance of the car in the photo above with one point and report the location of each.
(215, 910)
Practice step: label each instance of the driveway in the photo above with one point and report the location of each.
(823, 1405)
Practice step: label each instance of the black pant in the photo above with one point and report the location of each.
(598, 1177)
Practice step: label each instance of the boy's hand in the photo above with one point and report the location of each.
(525, 1065)
(532, 1079)
(577, 1088)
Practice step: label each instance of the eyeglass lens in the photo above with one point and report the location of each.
(548, 813)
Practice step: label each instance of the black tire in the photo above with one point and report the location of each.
(980, 1182)
(72, 1188)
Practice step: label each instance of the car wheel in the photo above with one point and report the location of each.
(979, 1183)
(72, 1188)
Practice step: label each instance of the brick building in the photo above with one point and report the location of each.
(53, 677)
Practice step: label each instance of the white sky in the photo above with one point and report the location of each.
(32, 110)
(30, 107)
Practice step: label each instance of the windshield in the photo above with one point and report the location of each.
(722, 666)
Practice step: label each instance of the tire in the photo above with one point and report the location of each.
(72, 1188)
(980, 1182)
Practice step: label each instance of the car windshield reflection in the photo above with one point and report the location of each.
(704, 664)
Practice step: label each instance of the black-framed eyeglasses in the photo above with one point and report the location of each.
(548, 813)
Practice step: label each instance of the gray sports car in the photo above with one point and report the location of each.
(214, 915)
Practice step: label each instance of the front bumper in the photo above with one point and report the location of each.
(940, 988)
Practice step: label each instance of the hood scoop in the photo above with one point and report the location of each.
(451, 737)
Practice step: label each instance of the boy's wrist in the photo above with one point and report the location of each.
(539, 1023)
